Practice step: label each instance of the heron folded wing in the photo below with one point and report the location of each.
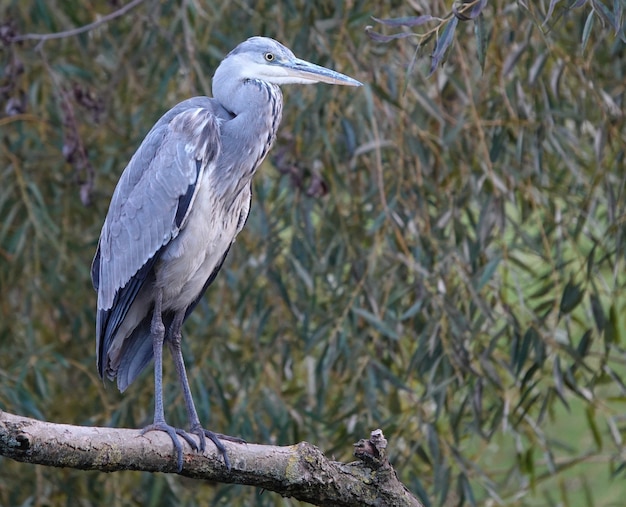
(149, 207)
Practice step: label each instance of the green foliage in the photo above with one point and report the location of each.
(440, 257)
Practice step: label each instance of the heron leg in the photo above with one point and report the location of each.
(157, 330)
(196, 428)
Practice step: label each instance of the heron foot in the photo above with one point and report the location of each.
(174, 433)
(216, 438)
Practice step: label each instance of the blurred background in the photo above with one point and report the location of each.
(439, 256)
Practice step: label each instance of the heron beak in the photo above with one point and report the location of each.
(311, 73)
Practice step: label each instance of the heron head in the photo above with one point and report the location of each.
(266, 59)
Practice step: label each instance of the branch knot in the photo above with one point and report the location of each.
(373, 451)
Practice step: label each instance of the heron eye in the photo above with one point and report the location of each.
(269, 57)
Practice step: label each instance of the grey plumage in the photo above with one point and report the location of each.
(177, 209)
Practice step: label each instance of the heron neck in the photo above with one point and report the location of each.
(248, 135)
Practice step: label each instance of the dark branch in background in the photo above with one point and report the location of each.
(300, 471)
(77, 31)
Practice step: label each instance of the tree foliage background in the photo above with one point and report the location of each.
(441, 257)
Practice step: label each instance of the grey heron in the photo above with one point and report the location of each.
(178, 206)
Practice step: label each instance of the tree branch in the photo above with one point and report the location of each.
(300, 471)
(81, 29)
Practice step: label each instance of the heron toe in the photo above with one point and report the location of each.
(174, 433)
(216, 438)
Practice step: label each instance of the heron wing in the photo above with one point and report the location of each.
(149, 207)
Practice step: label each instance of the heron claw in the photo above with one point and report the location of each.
(173, 433)
(216, 438)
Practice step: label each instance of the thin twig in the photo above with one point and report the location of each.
(76, 31)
